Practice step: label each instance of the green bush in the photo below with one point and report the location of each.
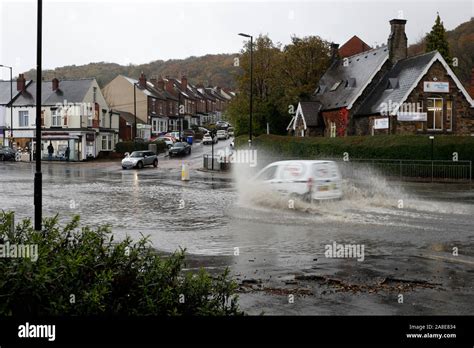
(417, 147)
(82, 271)
(130, 146)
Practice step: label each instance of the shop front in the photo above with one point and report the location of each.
(60, 147)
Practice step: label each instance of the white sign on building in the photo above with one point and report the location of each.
(437, 87)
(381, 123)
(412, 116)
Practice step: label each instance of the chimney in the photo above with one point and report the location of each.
(169, 86)
(160, 84)
(142, 80)
(184, 83)
(334, 51)
(55, 84)
(21, 83)
(397, 41)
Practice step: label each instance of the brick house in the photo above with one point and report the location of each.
(353, 46)
(384, 91)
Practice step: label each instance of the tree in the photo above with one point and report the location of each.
(437, 40)
(281, 78)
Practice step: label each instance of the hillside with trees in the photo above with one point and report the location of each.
(211, 69)
(461, 46)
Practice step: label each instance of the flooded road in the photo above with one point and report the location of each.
(418, 238)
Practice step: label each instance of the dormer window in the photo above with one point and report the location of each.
(336, 85)
(351, 83)
(320, 89)
(392, 83)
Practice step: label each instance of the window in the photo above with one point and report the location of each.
(102, 121)
(332, 129)
(154, 126)
(23, 118)
(161, 108)
(268, 174)
(94, 94)
(89, 117)
(419, 125)
(435, 113)
(106, 143)
(56, 117)
(449, 114)
(335, 85)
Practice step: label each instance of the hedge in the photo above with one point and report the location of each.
(415, 147)
(81, 271)
(130, 146)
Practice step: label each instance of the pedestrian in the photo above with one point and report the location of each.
(50, 151)
(67, 153)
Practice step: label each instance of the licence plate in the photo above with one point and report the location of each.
(323, 188)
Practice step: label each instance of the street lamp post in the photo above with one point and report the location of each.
(432, 146)
(11, 100)
(251, 85)
(432, 156)
(135, 110)
(38, 175)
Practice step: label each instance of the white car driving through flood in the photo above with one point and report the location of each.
(305, 179)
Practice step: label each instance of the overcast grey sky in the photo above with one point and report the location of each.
(140, 31)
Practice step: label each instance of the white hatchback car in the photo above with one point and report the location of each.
(306, 179)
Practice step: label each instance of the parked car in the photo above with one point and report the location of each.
(7, 154)
(175, 135)
(222, 134)
(189, 133)
(169, 141)
(222, 124)
(203, 130)
(208, 139)
(139, 159)
(230, 130)
(307, 179)
(180, 148)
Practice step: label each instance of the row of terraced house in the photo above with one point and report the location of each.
(164, 104)
(80, 119)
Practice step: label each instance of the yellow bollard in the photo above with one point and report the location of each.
(184, 172)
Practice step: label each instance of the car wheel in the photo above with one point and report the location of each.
(140, 165)
(155, 163)
(169, 146)
(124, 167)
(189, 152)
(2, 158)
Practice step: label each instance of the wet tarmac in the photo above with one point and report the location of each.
(278, 255)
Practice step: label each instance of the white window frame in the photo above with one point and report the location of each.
(449, 113)
(56, 118)
(433, 110)
(155, 125)
(108, 143)
(23, 118)
(332, 129)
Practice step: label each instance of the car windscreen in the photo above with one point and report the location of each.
(325, 170)
(178, 145)
(136, 154)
